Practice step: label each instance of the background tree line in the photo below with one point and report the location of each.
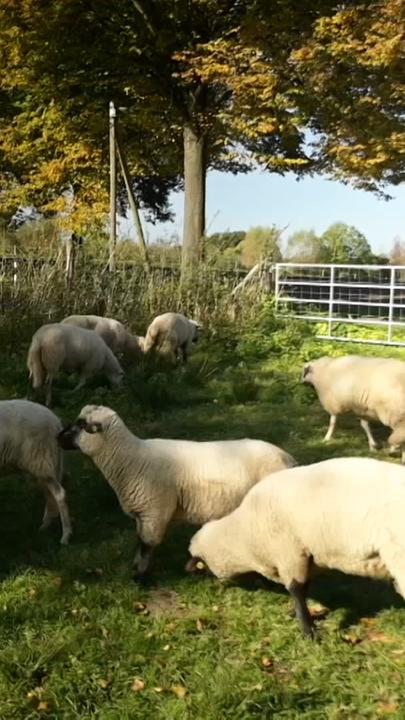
(339, 243)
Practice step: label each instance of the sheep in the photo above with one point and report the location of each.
(372, 388)
(28, 442)
(113, 332)
(56, 346)
(343, 513)
(172, 335)
(160, 480)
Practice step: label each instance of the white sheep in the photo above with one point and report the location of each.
(113, 332)
(28, 442)
(172, 335)
(160, 480)
(372, 388)
(56, 346)
(345, 513)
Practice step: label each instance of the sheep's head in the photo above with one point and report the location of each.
(206, 552)
(312, 368)
(306, 373)
(87, 433)
(196, 329)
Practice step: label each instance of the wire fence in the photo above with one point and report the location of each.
(338, 296)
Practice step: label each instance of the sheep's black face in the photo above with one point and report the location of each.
(68, 438)
(195, 564)
(306, 376)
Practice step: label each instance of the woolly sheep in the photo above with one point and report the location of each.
(172, 335)
(56, 346)
(160, 480)
(28, 442)
(372, 388)
(113, 332)
(344, 513)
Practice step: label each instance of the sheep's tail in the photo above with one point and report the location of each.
(35, 365)
(151, 338)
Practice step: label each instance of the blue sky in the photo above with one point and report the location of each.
(258, 198)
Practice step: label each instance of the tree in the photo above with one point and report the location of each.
(260, 243)
(303, 246)
(351, 92)
(342, 243)
(207, 84)
(397, 252)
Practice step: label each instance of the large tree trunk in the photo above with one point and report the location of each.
(194, 199)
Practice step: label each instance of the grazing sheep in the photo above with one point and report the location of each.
(28, 442)
(172, 335)
(344, 513)
(56, 346)
(157, 480)
(372, 388)
(113, 332)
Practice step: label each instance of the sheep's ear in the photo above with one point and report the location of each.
(194, 564)
(306, 369)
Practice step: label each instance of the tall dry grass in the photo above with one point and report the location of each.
(36, 293)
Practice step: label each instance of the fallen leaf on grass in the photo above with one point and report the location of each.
(57, 581)
(166, 648)
(352, 639)
(104, 683)
(266, 662)
(43, 706)
(397, 652)
(376, 636)
(386, 708)
(199, 625)
(317, 610)
(32, 593)
(141, 608)
(179, 690)
(158, 689)
(137, 685)
(368, 621)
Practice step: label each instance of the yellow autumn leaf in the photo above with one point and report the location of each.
(137, 685)
(179, 690)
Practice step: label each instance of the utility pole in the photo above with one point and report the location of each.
(113, 188)
(132, 200)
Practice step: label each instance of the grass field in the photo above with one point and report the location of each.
(79, 639)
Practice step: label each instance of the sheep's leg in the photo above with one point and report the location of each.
(298, 591)
(366, 427)
(51, 510)
(48, 390)
(58, 494)
(81, 383)
(331, 428)
(142, 561)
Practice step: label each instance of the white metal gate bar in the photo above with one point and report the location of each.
(370, 295)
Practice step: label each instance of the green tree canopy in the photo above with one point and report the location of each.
(342, 243)
(260, 243)
(303, 246)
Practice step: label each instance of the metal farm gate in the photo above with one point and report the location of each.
(341, 295)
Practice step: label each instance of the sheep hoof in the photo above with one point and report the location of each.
(143, 579)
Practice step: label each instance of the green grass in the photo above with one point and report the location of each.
(75, 630)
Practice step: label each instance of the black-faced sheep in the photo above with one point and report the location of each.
(157, 481)
(344, 513)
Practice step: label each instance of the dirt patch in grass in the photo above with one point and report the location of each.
(162, 601)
